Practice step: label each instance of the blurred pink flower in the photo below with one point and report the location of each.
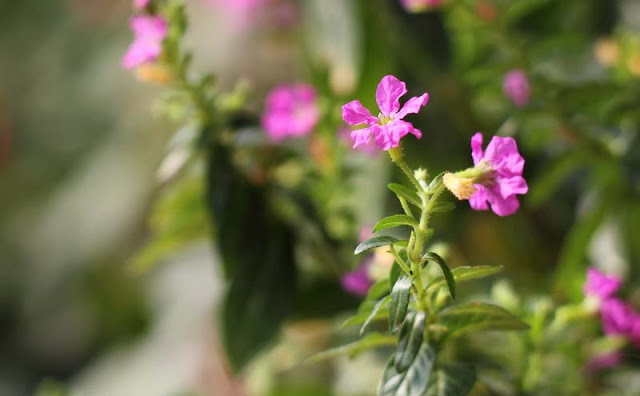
(419, 5)
(601, 285)
(604, 361)
(290, 111)
(388, 128)
(617, 317)
(140, 4)
(149, 32)
(344, 135)
(502, 179)
(358, 281)
(516, 87)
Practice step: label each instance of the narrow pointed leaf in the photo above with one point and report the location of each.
(466, 273)
(378, 289)
(395, 221)
(478, 316)
(361, 317)
(453, 380)
(374, 312)
(374, 242)
(399, 301)
(394, 274)
(371, 340)
(409, 340)
(412, 382)
(443, 206)
(448, 275)
(405, 192)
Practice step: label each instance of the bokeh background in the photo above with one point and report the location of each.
(81, 142)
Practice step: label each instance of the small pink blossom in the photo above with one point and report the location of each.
(388, 128)
(600, 285)
(290, 111)
(358, 281)
(420, 5)
(604, 361)
(617, 317)
(503, 180)
(516, 87)
(344, 136)
(141, 4)
(149, 32)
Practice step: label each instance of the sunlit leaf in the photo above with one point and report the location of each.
(478, 316)
(374, 242)
(395, 221)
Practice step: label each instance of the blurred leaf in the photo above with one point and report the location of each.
(412, 382)
(323, 298)
(452, 380)
(374, 313)
(257, 252)
(448, 275)
(371, 340)
(443, 206)
(521, 8)
(409, 340)
(461, 274)
(395, 221)
(552, 176)
(395, 272)
(400, 295)
(374, 242)
(478, 316)
(405, 192)
(361, 317)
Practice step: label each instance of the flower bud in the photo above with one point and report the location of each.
(461, 187)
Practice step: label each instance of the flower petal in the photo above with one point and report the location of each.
(362, 137)
(502, 153)
(389, 135)
(388, 94)
(476, 148)
(478, 201)
(412, 106)
(502, 206)
(354, 113)
(507, 186)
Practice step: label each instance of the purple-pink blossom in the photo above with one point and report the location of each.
(358, 281)
(140, 4)
(344, 136)
(388, 128)
(149, 32)
(603, 361)
(516, 87)
(617, 317)
(502, 178)
(290, 111)
(420, 5)
(601, 285)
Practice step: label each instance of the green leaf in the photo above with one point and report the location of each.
(520, 9)
(374, 312)
(371, 340)
(395, 221)
(461, 274)
(405, 192)
(448, 275)
(378, 289)
(374, 242)
(443, 206)
(409, 340)
(412, 382)
(361, 317)
(453, 380)
(478, 316)
(394, 274)
(399, 301)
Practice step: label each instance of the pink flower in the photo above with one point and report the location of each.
(140, 4)
(601, 285)
(388, 128)
(502, 178)
(149, 32)
(516, 87)
(420, 5)
(344, 136)
(290, 111)
(603, 361)
(634, 332)
(358, 281)
(617, 317)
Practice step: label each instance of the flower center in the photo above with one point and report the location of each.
(383, 119)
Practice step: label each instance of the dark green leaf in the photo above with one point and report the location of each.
(399, 301)
(374, 312)
(405, 192)
(412, 382)
(453, 380)
(448, 275)
(394, 274)
(478, 316)
(374, 242)
(461, 274)
(371, 340)
(409, 340)
(395, 221)
(522, 8)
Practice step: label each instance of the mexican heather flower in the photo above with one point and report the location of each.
(358, 281)
(140, 4)
(601, 285)
(617, 317)
(290, 111)
(496, 177)
(388, 128)
(419, 5)
(149, 32)
(516, 87)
